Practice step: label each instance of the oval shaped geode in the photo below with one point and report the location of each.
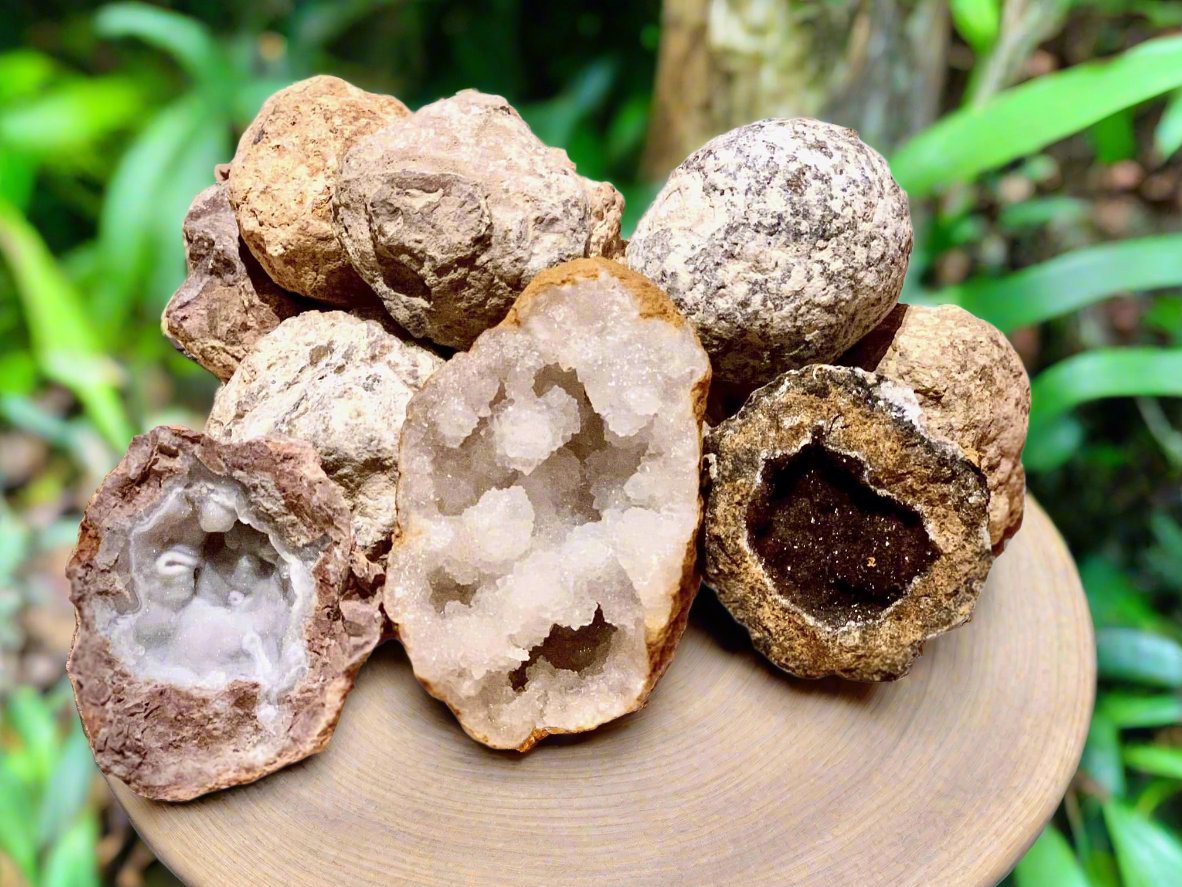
(839, 531)
(219, 627)
(548, 512)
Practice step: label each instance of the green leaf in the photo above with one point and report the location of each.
(187, 40)
(1101, 758)
(24, 73)
(1148, 854)
(1113, 138)
(1050, 444)
(60, 329)
(977, 21)
(18, 839)
(1132, 710)
(60, 124)
(1138, 657)
(1095, 375)
(68, 788)
(1167, 138)
(1026, 118)
(1050, 863)
(28, 716)
(1069, 282)
(1113, 598)
(1157, 760)
(73, 860)
(1039, 211)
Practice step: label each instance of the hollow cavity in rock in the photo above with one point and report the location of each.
(833, 545)
(217, 598)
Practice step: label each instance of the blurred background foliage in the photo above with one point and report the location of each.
(1038, 139)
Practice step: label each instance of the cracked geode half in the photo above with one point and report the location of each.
(840, 531)
(548, 511)
(219, 626)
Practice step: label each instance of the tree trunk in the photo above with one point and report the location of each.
(874, 65)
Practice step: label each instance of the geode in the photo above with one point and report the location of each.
(839, 530)
(972, 388)
(548, 513)
(227, 302)
(783, 242)
(341, 384)
(218, 624)
(282, 177)
(450, 213)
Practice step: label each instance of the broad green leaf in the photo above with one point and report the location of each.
(1138, 657)
(60, 329)
(1157, 760)
(977, 21)
(187, 40)
(1050, 863)
(66, 121)
(1147, 853)
(1113, 598)
(554, 120)
(23, 73)
(1095, 375)
(18, 175)
(1050, 444)
(1026, 118)
(1069, 282)
(1130, 710)
(1113, 138)
(68, 787)
(18, 372)
(30, 718)
(1039, 211)
(1101, 759)
(73, 861)
(1167, 138)
(18, 837)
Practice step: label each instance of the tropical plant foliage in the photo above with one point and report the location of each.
(111, 118)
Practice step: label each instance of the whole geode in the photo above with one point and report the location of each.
(973, 390)
(219, 625)
(449, 214)
(341, 384)
(840, 531)
(783, 242)
(227, 302)
(282, 177)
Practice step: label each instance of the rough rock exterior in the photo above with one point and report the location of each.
(783, 242)
(839, 531)
(549, 508)
(228, 301)
(282, 177)
(448, 215)
(341, 384)
(972, 388)
(218, 625)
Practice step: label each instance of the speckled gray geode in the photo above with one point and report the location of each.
(342, 384)
(228, 301)
(783, 242)
(839, 530)
(450, 213)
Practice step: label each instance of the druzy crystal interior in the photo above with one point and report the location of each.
(548, 501)
(835, 546)
(217, 598)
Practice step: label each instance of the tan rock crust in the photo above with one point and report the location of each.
(282, 177)
(546, 552)
(972, 388)
(448, 215)
(183, 685)
(839, 531)
(227, 302)
(783, 242)
(341, 384)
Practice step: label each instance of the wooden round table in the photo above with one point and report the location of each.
(733, 773)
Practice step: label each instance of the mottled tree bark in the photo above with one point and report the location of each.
(874, 65)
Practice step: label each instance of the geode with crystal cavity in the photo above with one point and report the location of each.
(545, 557)
(448, 215)
(783, 242)
(282, 177)
(839, 530)
(227, 302)
(972, 388)
(341, 384)
(218, 624)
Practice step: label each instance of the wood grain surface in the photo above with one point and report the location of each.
(733, 774)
